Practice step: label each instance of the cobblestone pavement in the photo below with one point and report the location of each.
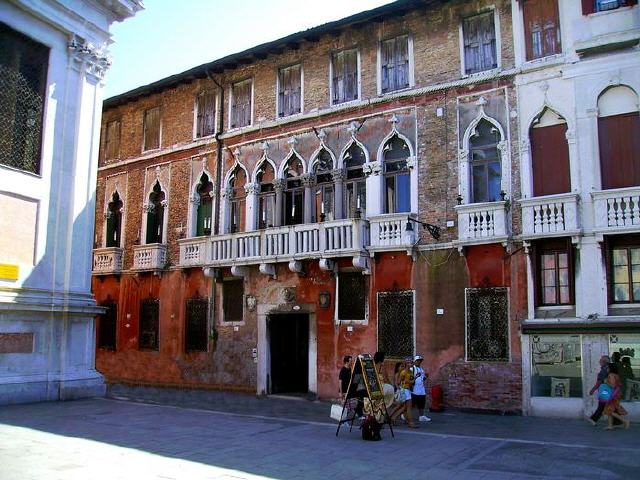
(241, 437)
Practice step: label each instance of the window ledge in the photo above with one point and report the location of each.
(543, 62)
(352, 322)
(390, 92)
(491, 71)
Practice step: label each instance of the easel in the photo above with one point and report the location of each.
(364, 374)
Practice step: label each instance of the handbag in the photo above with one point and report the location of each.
(398, 397)
(605, 392)
(338, 413)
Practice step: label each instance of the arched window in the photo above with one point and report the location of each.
(355, 188)
(237, 200)
(549, 154)
(155, 215)
(294, 193)
(486, 171)
(619, 138)
(323, 208)
(397, 183)
(114, 221)
(203, 222)
(266, 196)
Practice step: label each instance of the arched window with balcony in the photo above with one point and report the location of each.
(293, 213)
(155, 215)
(485, 165)
(397, 178)
(237, 200)
(619, 137)
(549, 154)
(266, 196)
(114, 220)
(323, 208)
(205, 204)
(355, 187)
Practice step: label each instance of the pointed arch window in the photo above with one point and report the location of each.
(549, 154)
(237, 200)
(155, 215)
(204, 214)
(396, 176)
(324, 192)
(486, 170)
(114, 221)
(266, 196)
(355, 188)
(293, 193)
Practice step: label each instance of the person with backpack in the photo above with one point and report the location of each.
(418, 392)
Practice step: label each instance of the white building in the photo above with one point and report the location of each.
(52, 62)
(580, 173)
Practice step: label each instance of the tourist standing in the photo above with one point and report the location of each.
(345, 376)
(405, 383)
(602, 376)
(418, 392)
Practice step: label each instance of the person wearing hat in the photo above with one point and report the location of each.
(418, 392)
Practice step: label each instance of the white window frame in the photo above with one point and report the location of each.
(412, 80)
(359, 76)
(496, 22)
(215, 114)
(301, 90)
(231, 100)
(339, 321)
(144, 129)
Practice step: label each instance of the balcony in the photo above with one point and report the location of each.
(388, 232)
(338, 238)
(617, 210)
(550, 216)
(149, 257)
(482, 223)
(107, 260)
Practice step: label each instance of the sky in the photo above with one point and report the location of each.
(171, 36)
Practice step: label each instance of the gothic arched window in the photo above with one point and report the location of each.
(486, 170)
(155, 215)
(397, 184)
(114, 221)
(237, 200)
(355, 188)
(203, 190)
(266, 196)
(323, 199)
(293, 193)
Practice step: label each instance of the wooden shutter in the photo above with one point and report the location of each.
(387, 70)
(338, 83)
(402, 62)
(112, 146)
(471, 45)
(619, 139)
(296, 89)
(487, 35)
(350, 75)
(550, 160)
(542, 28)
(152, 128)
(208, 101)
(588, 6)
(241, 113)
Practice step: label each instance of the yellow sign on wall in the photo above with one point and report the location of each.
(9, 272)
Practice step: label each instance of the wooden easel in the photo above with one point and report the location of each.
(364, 374)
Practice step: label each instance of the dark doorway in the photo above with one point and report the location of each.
(289, 346)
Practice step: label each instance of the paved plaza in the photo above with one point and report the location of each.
(241, 437)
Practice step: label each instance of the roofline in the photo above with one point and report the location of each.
(261, 51)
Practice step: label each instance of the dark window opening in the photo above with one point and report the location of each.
(204, 213)
(196, 334)
(107, 326)
(266, 196)
(237, 200)
(486, 170)
(149, 324)
(114, 221)
(355, 186)
(155, 215)
(233, 300)
(352, 296)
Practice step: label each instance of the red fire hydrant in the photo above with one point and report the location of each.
(436, 399)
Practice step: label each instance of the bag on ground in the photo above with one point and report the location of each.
(371, 429)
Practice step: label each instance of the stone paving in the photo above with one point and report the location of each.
(241, 437)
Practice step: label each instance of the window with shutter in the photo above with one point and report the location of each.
(289, 90)
(550, 155)
(241, 104)
(394, 64)
(592, 6)
(344, 68)
(148, 336)
(152, 128)
(112, 142)
(479, 37)
(233, 301)
(205, 122)
(542, 28)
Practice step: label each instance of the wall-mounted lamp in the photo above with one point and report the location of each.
(434, 230)
(324, 299)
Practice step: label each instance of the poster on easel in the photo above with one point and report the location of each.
(365, 387)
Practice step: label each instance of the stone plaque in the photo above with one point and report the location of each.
(16, 342)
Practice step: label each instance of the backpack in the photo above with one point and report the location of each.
(371, 429)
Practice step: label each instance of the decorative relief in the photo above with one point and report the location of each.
(252, 188)
(308, 180)
(412, 162)
(278, 185)
(525, 145)
(93, 59)
(371, 168)
(570, 135)
(338, 175)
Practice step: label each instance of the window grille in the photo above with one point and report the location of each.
(149, 324)
(395, 323)
(487, 324)
(23, 79)
(196, 325)
(108, 326)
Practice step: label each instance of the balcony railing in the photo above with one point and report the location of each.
(107, 260)
(550, 216)
(315, 240)
(149, 257)
(617, 210)
(389, 232)
(482, 222)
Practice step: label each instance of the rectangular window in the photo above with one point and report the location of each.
(196, 335)
(395, 323)
(23, 81)
(542, 28)
(352, 296)
(233, 300)
(555, 272)
(394, 64)
(592, 6)
(149, 324)
(556, 366)
(112, 141)
(625, 274)
(479, 37)
(397, 193)
(241, 104)
(206, 114)
(619, 145)
(487, 311)
(628, 347)
(289, 90)
(344, 76)
(107, 325)
(152, 128)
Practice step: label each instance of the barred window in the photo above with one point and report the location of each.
(107, 325)
(395, 323)
(233, 301)
(487, 324)
(23, 80)
(151, 129)
(196, 325)
(352, 296)
(149, 324)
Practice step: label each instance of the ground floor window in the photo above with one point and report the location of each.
(149, 324)
(233, 301)
(624, 350)
(107, 325)
(487, 327)
(556, 366)
(395, 323)
(352, 296)
(196, 325)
